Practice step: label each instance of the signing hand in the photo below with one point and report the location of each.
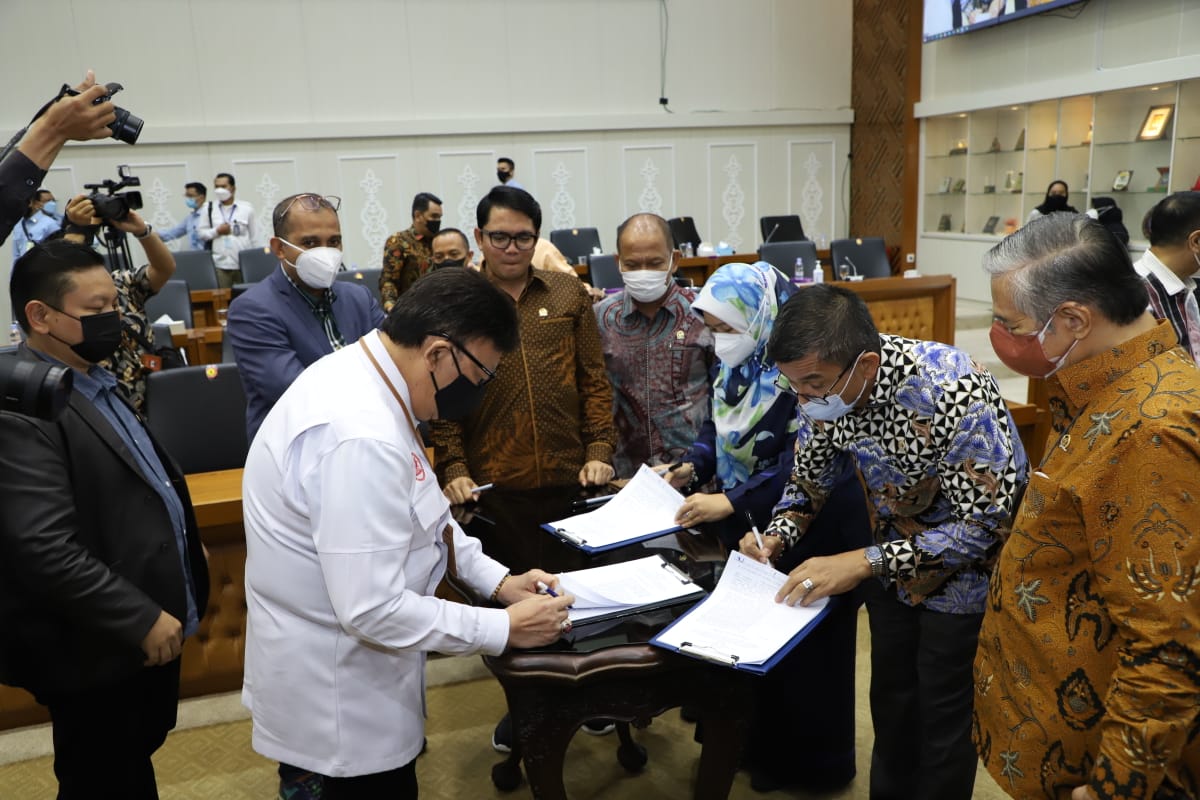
(701, 508)
(681, 476)
(164, 642)
(772, 548)
(596, 473)
(520, 587)
(537, 620)
(824, 576)
(460, 490)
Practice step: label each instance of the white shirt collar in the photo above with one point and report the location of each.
(1149, 264)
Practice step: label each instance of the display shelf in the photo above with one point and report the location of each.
(1084, 141)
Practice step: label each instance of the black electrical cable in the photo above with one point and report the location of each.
(664, 29)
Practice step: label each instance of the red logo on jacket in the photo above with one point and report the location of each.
(418, 467)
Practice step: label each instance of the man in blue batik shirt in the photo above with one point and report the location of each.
(194, 196)
(935, 448)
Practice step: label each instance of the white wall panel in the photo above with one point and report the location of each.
(648, 179)
(465, 177)
(367, 220)
(812, 171)
(732, 195)
(560, 180)
(263, 182)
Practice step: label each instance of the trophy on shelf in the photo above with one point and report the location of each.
(960, 148)
(1008, 180)
(1018, 183)
(1164, 177)
(1088, 139)
(990, 225)
(988, 186)
(1121, 182)
(995, 148)
(960, 186)
(944, 222)
(944, 188)
(1020, 145)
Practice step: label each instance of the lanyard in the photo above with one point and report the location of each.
(232, 213)
(448, 531)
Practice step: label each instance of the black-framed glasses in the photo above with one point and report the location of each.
(784, 385)
(488, 375)
(500, 240)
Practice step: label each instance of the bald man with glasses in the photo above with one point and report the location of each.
(286, 322)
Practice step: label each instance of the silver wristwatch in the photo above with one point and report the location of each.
(874, 557)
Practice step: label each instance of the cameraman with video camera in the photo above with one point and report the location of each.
(82, 116)
(134, 359)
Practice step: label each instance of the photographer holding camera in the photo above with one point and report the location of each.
(133, 359)
(102, 573)
(82, 116)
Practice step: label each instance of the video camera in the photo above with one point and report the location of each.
(34, 388)
(126, 127)
(113, 207)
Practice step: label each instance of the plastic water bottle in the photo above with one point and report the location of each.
(14, 334)
(798, 273)
(818, 273)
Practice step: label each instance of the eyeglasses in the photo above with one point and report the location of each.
(488, 375)
(784, 385)
(500, 240)
(309, 202)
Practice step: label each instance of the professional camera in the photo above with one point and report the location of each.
(126, 127)
(113, 207)
(34, 388)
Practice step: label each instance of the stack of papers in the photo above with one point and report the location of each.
(645, 508)
(617, 590)
(740, 625)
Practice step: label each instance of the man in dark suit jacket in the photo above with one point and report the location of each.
(102, 574)
(281, 325)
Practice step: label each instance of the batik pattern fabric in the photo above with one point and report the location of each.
(746, 297)
(133, 290)
(659, 370)
(1088, 669)
(406, 257)
(938, 454)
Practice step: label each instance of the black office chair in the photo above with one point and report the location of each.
(227, 354)
(865, 256)
(786, 228)
(683, 229)
(604, 272)
(256, 264)
(198, 414)
(197, 268)
(238, 289)
(783, 256)
(576, 242)
(175, 300)
(364, 277)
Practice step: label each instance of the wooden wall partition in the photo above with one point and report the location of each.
(884, 139)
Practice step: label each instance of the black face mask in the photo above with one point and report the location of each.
(451, 262)
(1055, 202)
(459, 398)
(502, 176)
(101, 335)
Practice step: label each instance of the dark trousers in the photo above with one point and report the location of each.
(396, 784)
(921, 700)
(104, 737)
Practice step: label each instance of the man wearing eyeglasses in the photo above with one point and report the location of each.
(547, 419)
(284, 323)
(406, 255)
(936, 449)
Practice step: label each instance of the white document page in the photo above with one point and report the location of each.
(647, 504)
(615, 587)
(741, 618)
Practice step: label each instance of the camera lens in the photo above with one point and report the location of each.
(126, 127)
(33, 388)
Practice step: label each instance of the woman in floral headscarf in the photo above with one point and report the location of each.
(746, 450)
(747, 444)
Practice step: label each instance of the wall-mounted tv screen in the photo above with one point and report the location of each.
(949, 17)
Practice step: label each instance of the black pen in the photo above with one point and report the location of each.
(754, 529)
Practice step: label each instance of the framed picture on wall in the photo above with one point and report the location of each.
(1158, 118)
(1121, 182)
(990, 225)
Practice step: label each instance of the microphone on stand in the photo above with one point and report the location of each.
(772, 233)
(846, 262)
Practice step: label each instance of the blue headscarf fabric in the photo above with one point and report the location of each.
(747, 297)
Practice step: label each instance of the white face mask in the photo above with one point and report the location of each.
(318, 266)
(222, 194)
(646, 285)
(733, 348)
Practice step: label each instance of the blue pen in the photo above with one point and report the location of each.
(547, 589)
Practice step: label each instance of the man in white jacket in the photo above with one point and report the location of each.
(348, 535)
